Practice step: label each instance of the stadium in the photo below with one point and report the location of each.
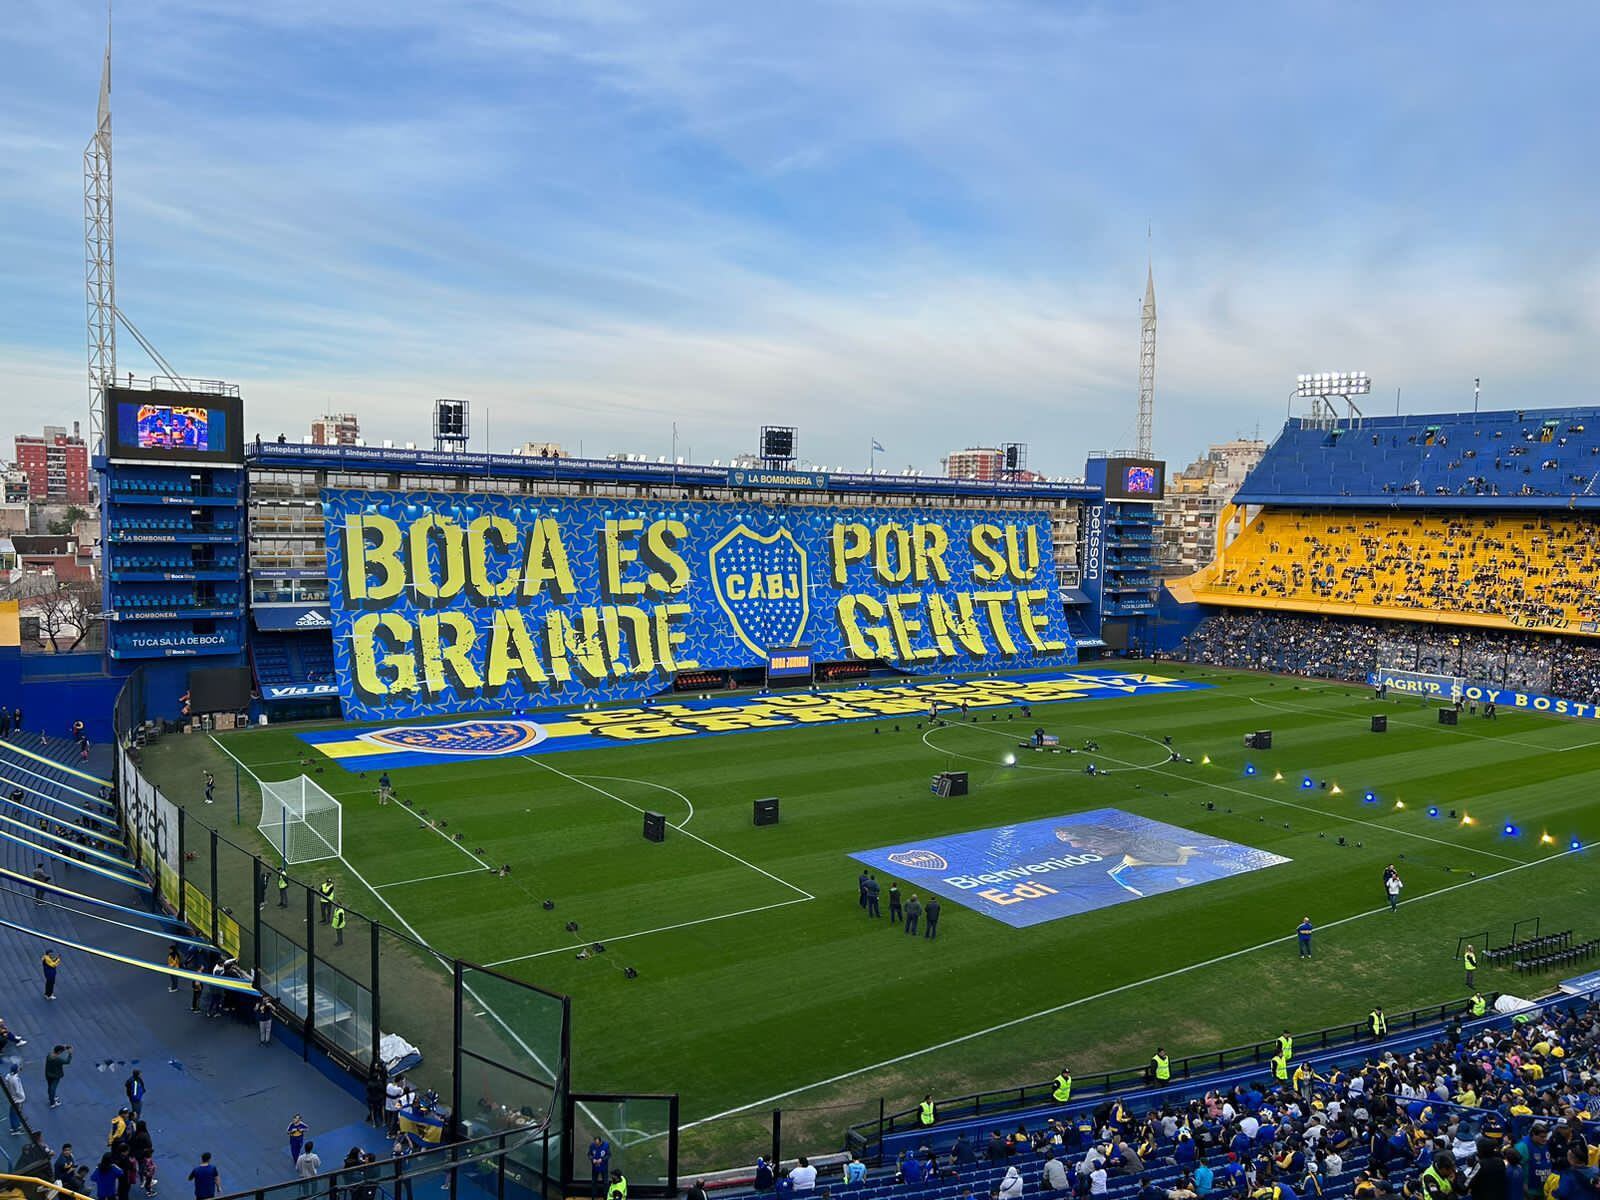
(547, 825)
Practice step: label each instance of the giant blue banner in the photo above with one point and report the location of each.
(449, 603)
(1062, 866)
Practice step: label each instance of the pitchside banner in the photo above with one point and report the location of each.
(1450, 687)
(471, 603)
(1062, 866)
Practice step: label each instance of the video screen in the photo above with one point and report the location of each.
(165, 424)
(1135, 479)
(167, 427)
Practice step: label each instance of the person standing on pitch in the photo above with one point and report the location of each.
(385, 788)
(896, 912)
(1392, 886)
(913, 911)
(861, 886)
(872, 897)
(1469, 961)
(1305, 938)
(931, 913)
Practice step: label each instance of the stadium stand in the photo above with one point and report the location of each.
(1522, 570)
(116, 1019)
(1494, 458)
(1352, 1124)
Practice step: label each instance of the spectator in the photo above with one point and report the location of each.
(1011, 1185)
(804, 1175)
(55, 1067)
(16, 1094)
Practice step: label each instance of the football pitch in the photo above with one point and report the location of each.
(761, 982)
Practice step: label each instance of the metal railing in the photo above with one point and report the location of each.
(1030, 1095)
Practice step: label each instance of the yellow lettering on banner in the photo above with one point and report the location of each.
(546, 562)
(847, 543)
(447, 639)
(1023, 562)
(641, 729)
(478, 535)
(890, 706)
(932, 542)
(602, 717)
(1035, 622)
(963, 623)
(891, 553)
(638, 656)
(727, 720)
(418, 539)
(865, 642)
(368, 663)
(512, 652)
(992, 602)
(617, 554)
(906, 629)
(670, 636)
(990, 564)
(670, 573)
(813, 714)
(360, 558)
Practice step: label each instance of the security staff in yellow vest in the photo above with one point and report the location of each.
(1377, 1023)
(325, 891)
(1280, 1068)
(925, 1110)
(1063, 1091)
(338, 924)
(1439, 1180)
(1479, 1004)
(619, 1187)
(1160, 1065)
(283, 888)
(1286, 1044)
(1469, 962)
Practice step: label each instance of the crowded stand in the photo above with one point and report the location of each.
(1497, 1113)
(1533, 570)
(1350, 648)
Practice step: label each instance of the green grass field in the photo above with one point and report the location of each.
(761, 983)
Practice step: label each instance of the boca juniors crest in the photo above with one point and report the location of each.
(472, 739)
(762, 586)
(925, 860)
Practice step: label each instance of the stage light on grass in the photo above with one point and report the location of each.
(1277, 777)
(1467, 819)
(1011, 760)
(1433, 812)
(1336, 790)
(1576, 844)
(1371, 797)
(1546, 840)
(1399, 803)
(1205, 760)
(1509, 830)
(1249, 768)
(1305, 783)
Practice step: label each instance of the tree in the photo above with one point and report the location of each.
(65, 610)
(73, 515)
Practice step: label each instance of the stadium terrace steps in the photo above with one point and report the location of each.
(211, 1086)
(1483, 458)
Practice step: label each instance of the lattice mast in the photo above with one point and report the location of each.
(100, 275)
(1147, 364)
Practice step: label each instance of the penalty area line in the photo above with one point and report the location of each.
(622, 937)
(769, 1101)
(744, 862)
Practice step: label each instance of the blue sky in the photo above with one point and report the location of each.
(917, 221)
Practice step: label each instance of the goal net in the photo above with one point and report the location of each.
(1419, 683)
(301, 821)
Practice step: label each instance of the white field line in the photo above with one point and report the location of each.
(696, 837)
(769, 1101)
(622, 937)
(1223, 787)
(430, 878)
(439, 958)
(1456, 729)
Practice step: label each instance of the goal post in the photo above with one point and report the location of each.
(1419, 683)
(300, 821)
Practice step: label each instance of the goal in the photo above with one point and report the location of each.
(301, 821)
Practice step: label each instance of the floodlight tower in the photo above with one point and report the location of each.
(1147, 364)
(1324, 387)
(100, 275)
